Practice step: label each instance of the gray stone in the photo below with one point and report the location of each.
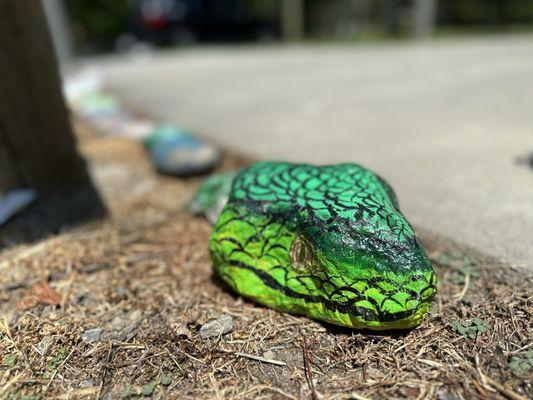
(43, 345)
(269, 354)
(447, 396)
(92, 335)
(217, 327)
(87, 383)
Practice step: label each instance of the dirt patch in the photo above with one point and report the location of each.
(135, 289)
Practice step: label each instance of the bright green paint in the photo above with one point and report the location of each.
(327, 242)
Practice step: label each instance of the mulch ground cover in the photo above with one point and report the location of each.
(112, 309)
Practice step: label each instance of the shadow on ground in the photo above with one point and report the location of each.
(55, 210)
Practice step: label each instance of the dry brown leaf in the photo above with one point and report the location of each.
(45, 293)
(410, 392)
(41, 292)
(182, 330)
(28, 302)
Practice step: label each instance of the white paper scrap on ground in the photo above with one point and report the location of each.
(14, 201)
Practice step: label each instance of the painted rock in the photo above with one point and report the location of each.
(177, 152)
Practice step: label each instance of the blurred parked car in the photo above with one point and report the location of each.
(183, 21)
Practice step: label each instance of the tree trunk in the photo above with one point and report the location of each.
(390, 10)
(292, 19)
(37, 147)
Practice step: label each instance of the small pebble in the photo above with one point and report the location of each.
(269, 354)
(447, 396)
(87, 383)
(92, 335)
(43, 345)
(217, 327)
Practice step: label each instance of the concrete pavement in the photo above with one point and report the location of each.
(442, 121)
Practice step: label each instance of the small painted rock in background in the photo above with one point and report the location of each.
(97, 105)
(106, 113)
(176, 151)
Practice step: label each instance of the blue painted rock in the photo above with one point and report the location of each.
(176, 151)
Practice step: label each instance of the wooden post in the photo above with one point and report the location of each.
(292, 19)
(37, 147)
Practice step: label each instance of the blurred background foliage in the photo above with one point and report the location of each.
(98, 20)
(486, 12)
(98, 25)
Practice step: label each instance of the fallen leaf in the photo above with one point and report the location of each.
(181, 330)
(45, 293)
(41, 292)
(29, 301)
(410, 392)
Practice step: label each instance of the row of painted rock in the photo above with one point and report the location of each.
(173, 149)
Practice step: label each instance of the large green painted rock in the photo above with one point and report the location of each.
(328, 242)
